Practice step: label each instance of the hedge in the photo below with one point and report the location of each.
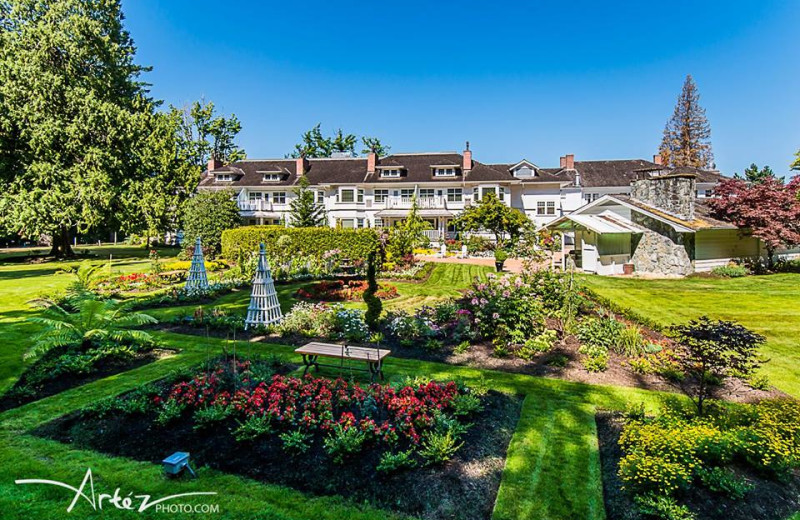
(354, 243)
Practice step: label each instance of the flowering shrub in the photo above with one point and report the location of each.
(339, 290)
(137, 282)
(676, 450)
(320, 320)
(445, 321)
(502, 305)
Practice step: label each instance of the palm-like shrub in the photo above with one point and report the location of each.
(92, 321)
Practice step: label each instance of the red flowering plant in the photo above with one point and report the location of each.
(383, 413)
(341, 290)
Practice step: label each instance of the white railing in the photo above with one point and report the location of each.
(255, 205)
(435, 234)
(422, 202)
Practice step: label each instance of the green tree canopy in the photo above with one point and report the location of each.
(374, 145)
(314, 144)
(305, 212)
(407, 234)
(687, 134)
(69, 102)
(755, 175)
(204, 134)
(492, 215)
(207, 215)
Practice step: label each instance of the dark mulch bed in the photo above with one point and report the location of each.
(65, 382)
(464, 488)
(481, 355)
(768, 500)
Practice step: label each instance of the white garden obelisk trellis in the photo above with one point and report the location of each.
(264, 308)
(197, 279)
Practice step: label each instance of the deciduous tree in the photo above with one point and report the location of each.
(769, 210)
(374, 145)
(687, 135)
(314, 144)
(207, 215)
(492, 215)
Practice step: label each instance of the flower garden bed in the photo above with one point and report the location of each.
(59, 371)
(343, 290)
(722, 481)
(434, 450)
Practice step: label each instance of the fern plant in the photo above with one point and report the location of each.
(92, 321)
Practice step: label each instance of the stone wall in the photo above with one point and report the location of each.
(658, 254)
(673, 194)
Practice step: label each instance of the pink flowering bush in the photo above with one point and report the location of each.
(505, 305)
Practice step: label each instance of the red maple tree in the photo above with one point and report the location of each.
(769, 210)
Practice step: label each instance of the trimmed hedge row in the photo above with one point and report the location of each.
(354, 243)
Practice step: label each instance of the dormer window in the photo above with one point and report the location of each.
(524, 172)
(224, 177)
(271, 177)
(390, 173)
(444, 172)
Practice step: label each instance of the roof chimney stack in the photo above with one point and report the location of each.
(214, 163)
(562, 162)
(467, 164)
(301, 165)
(372, 159)
(657, 159)
(569, 162)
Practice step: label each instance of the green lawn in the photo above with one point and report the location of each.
(768, 304)
(552, 470)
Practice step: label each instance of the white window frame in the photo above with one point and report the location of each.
(224, 177)
(271, 177)
(551, 207)
(320, 197)
(391, 173)
(340, 197)
(455, 195)
(352, 222)
(407, 192)
(541, 207)
(378, 222)
(277, 196)
(255, 195)
(360, 195)
(444, 172)
(381, 195)
(430, 193)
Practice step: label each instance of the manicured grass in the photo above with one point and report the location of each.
(446, 281)
(552, 470)
(768, 304)
(19, 283)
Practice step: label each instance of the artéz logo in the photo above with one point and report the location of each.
(130, 502)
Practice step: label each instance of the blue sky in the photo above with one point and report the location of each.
(517, 79)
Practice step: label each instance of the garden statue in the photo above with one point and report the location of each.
(197, 279)
(443, 250)
(463, 250)
(264, 308)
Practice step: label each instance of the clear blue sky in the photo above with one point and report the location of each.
(535, 81)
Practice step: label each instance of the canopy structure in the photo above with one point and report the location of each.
(264, 308)
(197, 279)
(606, 222)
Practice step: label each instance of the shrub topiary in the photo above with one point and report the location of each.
(354, 243)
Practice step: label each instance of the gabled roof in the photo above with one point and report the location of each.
(605, 222)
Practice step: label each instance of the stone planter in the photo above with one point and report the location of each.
(499, 265)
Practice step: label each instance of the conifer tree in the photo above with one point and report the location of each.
(687, 135)
(305, 212)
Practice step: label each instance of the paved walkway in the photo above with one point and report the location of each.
(512, 265)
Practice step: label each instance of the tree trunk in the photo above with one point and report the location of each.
(66, 247)
(770, 254)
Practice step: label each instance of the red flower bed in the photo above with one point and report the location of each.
(339, 290)
(316, 404)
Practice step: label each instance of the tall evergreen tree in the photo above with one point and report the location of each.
(314, 144)
(374, 145)
(69, 99)
(305, 212)
(687, 135)
(755, 175)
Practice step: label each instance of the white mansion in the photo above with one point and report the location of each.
(377, 191)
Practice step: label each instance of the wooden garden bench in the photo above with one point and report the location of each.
(311, 352)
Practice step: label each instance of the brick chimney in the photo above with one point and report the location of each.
(467, 164)
(562, 162)
(301, 165)
(657, 159)
(672, 193)
(569, 162)
(214, 163)
(372, 159)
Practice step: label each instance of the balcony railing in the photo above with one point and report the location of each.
(259, 205)
(422, 202)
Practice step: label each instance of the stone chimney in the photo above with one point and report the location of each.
(672, 193)
(301, 165)
(467, 164)
(657, 159)
(569, 162)
(562, 162)
(214, 163)
(372, 159)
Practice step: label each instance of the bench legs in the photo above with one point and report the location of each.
(375, 369)
(310, 361)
